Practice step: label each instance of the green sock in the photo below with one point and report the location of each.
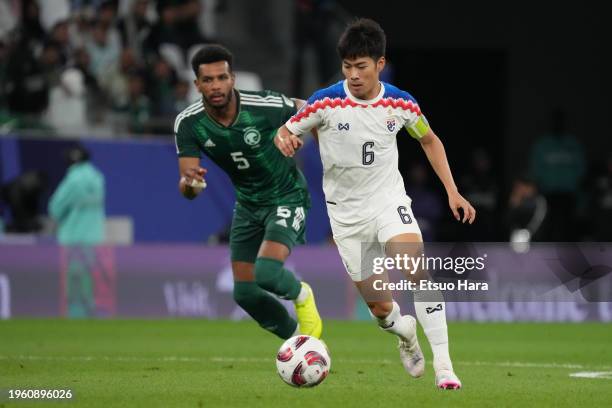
(271, 276)
(265, 309)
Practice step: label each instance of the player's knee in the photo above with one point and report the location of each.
(245, 294)
(267, 273)
(380, 309)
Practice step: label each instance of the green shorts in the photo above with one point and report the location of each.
(253, 225)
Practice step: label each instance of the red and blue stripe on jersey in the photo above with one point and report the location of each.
(336, 97)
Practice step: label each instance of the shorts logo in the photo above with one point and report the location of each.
(391, 124)
(343, 126)
(252, 136)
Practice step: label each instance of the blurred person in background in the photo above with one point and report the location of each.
(139, 106)
(103, 49)
(181, 96)
(95, 99)
(527, 210)
(178, 24)
(29, 79)
(114, 82)
(9, 17)
(77, 205)
(481, 190)
(78, 208)
(31, 30)
(161, 88)
(164, 30)
(68, 104)
(135, 26)
(558, 167)
(601, 205)
(60, 38)
(22, 197)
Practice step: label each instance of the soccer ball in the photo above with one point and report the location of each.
(303, 361)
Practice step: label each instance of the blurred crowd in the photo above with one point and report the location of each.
(560, 196)
(121, 67)
(113, 66)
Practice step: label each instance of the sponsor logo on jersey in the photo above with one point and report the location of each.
(209, 143)
(391, 124)
(343, 126)
(282, 223)
(252, 136)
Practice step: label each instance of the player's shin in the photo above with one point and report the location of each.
(265, 309)
(270, 275)
(431, 313)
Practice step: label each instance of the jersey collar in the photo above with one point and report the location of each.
(361, 101)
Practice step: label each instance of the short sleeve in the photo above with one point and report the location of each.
(288, 110)
(308, 117)
(185, 140)
(415, 122)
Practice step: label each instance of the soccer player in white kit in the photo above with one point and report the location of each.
(357, 121)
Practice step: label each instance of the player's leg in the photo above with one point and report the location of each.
(403, 237)
(358, 246)
(264, 308)
(270, 273)
(285, 227)
(390, 319)
(245, 238)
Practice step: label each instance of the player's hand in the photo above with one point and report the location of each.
(288, 144)
(194, 175)
(192, 182)
(455, 202)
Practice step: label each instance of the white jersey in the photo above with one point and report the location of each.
(358, 145)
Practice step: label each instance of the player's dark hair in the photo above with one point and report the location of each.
(209, 54)
(362, 38)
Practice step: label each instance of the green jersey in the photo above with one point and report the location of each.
(245, 150)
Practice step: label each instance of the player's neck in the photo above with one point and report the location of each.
(225, 115)
(373, 93)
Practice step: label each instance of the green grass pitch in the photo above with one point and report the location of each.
(198, 363)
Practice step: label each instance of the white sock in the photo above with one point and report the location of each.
(431, 312)
(393, 323)
(303, 295)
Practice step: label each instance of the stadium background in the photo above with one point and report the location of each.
(518, 92)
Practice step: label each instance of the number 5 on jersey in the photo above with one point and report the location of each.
(243, 163)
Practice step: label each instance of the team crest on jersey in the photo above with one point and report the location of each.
(252, 136)
(391, 124)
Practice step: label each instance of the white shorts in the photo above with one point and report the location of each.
(366, 241)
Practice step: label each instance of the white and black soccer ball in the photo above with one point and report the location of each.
(303, 361)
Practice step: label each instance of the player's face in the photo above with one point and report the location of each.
(215, 82)
(362, 76)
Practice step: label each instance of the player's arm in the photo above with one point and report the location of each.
(299, 104)
(436, 154)
(308, 117)
(192, 181)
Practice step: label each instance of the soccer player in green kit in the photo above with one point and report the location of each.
(236, 129)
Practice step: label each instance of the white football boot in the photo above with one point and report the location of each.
(447, 380)
(410, 351)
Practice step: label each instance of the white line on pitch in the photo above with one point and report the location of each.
(219, 359)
